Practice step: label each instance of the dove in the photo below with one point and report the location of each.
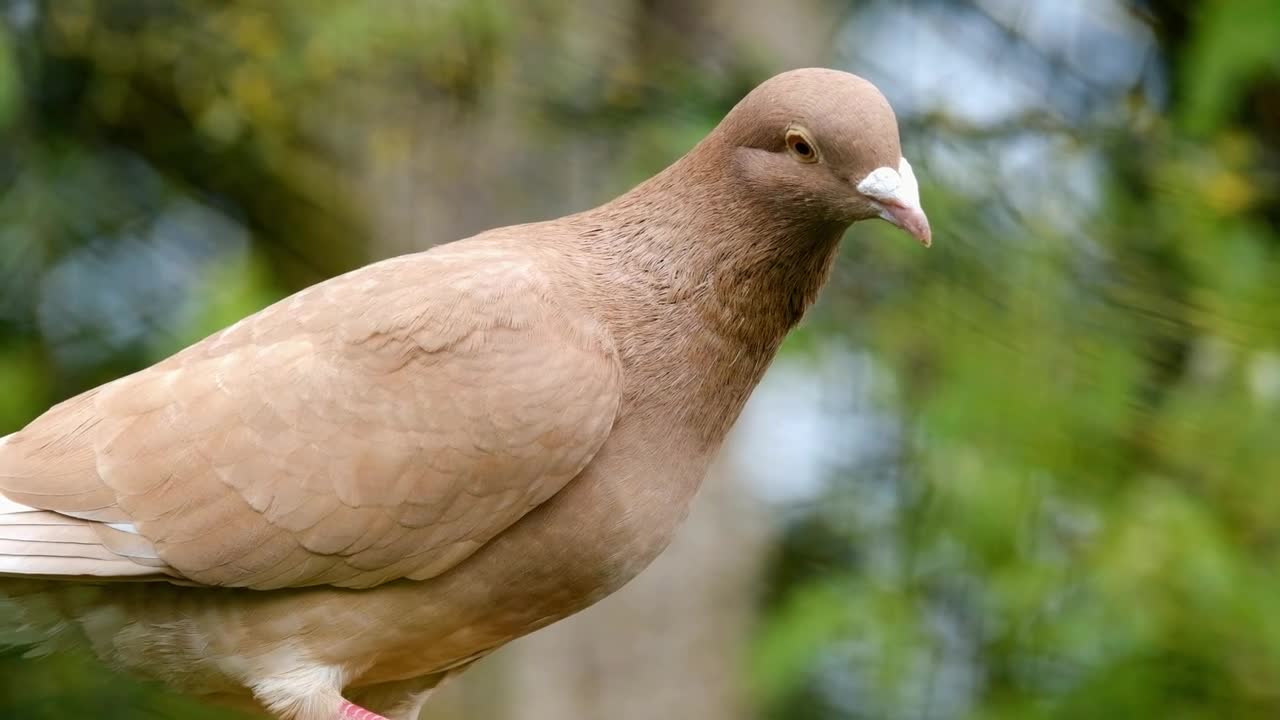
(330, 507)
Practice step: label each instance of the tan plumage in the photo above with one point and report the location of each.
(396, 471)
(381, 425)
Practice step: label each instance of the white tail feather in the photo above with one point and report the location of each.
(42, 543)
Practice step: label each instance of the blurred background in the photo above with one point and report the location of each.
(1030, 473)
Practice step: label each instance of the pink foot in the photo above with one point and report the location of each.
(351, 711)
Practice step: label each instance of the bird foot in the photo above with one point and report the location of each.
(351, 711)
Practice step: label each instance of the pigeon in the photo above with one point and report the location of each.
(328, 508)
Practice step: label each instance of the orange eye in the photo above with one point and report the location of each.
(801, 146)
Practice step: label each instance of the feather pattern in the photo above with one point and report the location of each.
(381, 425)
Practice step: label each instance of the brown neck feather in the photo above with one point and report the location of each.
(706, 279)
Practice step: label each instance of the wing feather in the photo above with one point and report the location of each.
(384, 424)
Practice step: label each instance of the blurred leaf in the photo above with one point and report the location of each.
(1235, 42)
(10, 83)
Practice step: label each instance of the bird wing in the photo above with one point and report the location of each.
(384, 424)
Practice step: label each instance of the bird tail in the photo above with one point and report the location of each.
(30, 616)
(37, 542)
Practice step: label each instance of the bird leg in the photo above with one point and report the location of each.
(351, 711)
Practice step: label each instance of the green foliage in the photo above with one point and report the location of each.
(10, 92)
(1235, 47)
(1085, 505)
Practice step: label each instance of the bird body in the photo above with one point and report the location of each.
(367, 486)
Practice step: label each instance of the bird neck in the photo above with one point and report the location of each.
(698, 234)
(708, 280)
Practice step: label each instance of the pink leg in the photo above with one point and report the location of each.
(351, 711)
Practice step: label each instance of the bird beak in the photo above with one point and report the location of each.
(897, 195)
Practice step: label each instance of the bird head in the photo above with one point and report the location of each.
(824, 143)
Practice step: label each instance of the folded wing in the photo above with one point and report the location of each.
(382, 425)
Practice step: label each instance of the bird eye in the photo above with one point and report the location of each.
(801, 146)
